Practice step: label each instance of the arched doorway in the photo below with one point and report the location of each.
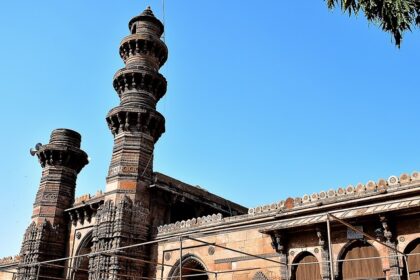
(360, 260)
(413, 260)
(305, 266)
(191, 265)
(81, 265)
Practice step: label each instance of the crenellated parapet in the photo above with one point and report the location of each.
(191, 223)
(9, 260)
(342, 195)
(350, 192)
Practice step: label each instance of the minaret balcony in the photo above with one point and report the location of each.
(144, 44)
(121, 119)
(139, 78)
(58, 155)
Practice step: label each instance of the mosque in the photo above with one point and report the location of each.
(148, 225)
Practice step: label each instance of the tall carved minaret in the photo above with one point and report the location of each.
(124, 218)
(135, 123)
(45, 239)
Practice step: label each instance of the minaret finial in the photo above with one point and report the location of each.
(147, 15)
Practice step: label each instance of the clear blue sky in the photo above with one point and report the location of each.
(266, 99)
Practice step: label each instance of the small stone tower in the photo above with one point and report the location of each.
(45, 239)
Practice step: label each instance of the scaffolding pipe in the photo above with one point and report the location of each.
(180, 258)
(330, 255)
(363, 233)
(37, 271)
(163, 265)
(406, 267)
(96, 253)
(187, 247)
(233, 250)
(156, 263)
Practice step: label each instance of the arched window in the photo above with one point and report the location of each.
(133, 28)
(81, 265)
(191, 265)
(413, 260)
(360, 260)
(305, 266)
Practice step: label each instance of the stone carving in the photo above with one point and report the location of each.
(190, 223)
(117, 225)
(211, 250)
(139, 86)
(168, 256)
(259, 276)
(61, 160)
(36, 247)
(10, 260)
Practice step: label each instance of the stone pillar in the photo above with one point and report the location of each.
(325, 265)
(45, 239)
(278, 244)
(394, 267)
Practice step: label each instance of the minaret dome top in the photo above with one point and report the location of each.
(146, 17)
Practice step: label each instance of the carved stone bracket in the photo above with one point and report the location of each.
(84, 212)
(150, 122)
(321, 233)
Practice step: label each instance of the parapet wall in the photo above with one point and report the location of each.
(342, 194)
(9, 260)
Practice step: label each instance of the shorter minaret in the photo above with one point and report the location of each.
(45, 239)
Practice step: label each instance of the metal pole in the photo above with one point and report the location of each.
(363, 233)
(37, 272)
(180, 258)
(329, 248)
(406, 267)
(163, 264)
(236, 251)
(156, 263)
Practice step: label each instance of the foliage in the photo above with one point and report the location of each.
(393, 16)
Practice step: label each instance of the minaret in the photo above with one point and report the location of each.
(135, 123)
(124, 218)
(45, 239)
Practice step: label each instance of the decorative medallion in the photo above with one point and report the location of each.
(292, 253)
(401, 239)
(316, 250)
(211, 250)
(168, 256)
(393, 180)
(78, 235)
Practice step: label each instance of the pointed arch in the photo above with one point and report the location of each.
(413, 260)
(349, 267)
(305, 266)
(191, 265)
(81, 265)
